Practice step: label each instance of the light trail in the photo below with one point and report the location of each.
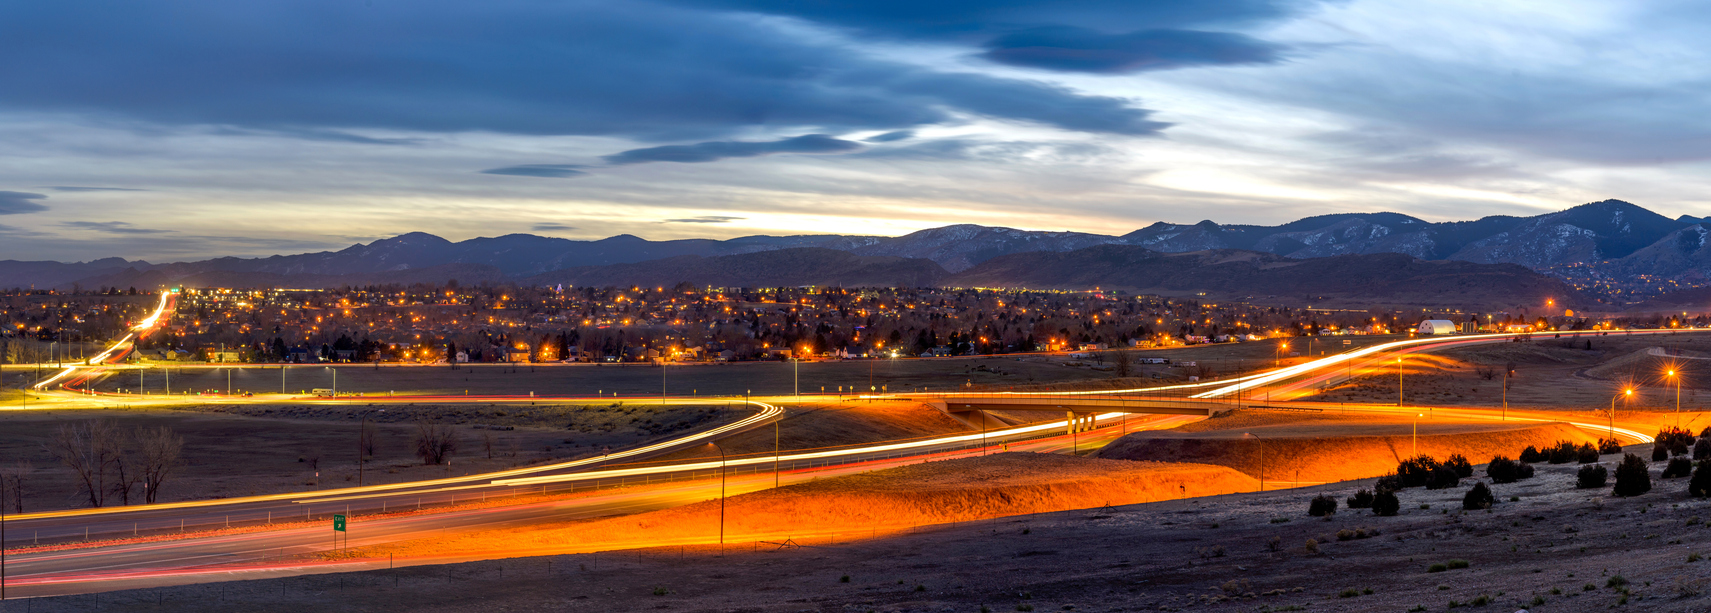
(142, 327)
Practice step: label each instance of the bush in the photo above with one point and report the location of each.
(1385, 504)
(1322, 505)
(1607, 446)
(1659, 452)
(1700, 484)
(1442, 478)
(1673, 438)
(1361, 500)
(1458, 462)
(1532, 454)
(1524, 471)
(1591, 476)
(1455, 564)
(1587, 454)
(1632, 478)
(1706, 432)
(1702, 449)
(1437, 567)
(1678, 467)
(1563, 452)
(1416, 471)
(1502, 470)
(1480, 497)
(1388, 483)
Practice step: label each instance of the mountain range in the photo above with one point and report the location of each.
(1612, 239)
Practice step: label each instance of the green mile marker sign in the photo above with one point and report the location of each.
(338, 523)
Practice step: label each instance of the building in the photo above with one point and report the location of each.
(1437, 326)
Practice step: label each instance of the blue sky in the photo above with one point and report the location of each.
(199, 128)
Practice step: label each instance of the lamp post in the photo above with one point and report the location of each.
(1673, 375)
(1625, 392)
(1261, 458)
(715, 445)
(1398, 380)
(1416, 437)
(335, 381)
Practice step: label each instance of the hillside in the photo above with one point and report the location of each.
(781, 268)
(1232, 274)
(1611, 239)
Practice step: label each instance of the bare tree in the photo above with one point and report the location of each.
(125, 477)
(435, 442)
(1123, 362)
(89, 449)
(158, 451)
(12, 483)
(366, 440)
(487, 443)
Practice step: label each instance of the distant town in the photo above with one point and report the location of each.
(515, 324)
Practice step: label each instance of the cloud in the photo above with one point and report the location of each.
(548, 171)
(551, 227)
(1082, 50)
(18, 203)
(79, 188)
(891, 136)
(320, 68)
(718, 150)
(114, 227)
(958, 20)
(705, 219)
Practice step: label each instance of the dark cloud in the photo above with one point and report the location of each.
(79, 188)
(319, 68)
(549, 171)
(17, 203)
(114, 227)
(705, 219)
(551, 227)
(718, 150)
(1082, 50)
(891, 136)
(962, 19)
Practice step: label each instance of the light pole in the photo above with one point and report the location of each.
(715, 445)
(1506, 371)
(1416, 439)
(1672, 374)
(1261, 458)
(1625, 392)
(1398, 380)
(335, 381)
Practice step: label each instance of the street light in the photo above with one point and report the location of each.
(1625, 392)
(715, 445)
(1398, 380)
(1672, 374)
(1416, 440)
(1261, 458)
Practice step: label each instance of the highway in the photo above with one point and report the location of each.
(655, 486)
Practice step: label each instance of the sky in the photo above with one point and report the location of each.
(202, 128)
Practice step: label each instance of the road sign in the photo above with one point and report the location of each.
(339, 523)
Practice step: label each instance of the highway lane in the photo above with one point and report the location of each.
(241, 556)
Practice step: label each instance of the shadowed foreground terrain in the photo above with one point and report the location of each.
(1563, 547)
